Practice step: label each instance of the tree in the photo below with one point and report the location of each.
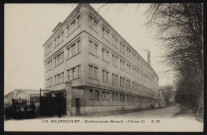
(180, 28)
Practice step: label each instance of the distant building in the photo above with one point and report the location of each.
(172, 97)
(107, 73)
(162, 95)
(28, 94)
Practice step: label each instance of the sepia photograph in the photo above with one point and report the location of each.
(103, 67)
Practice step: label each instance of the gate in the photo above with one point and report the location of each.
(53, 103)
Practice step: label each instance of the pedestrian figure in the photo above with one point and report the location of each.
(59, 106)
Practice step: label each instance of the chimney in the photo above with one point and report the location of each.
(148, 56)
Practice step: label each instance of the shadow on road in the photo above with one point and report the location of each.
(187, 112)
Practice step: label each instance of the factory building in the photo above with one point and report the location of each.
(96, 67)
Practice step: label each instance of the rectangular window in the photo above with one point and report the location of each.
(93, 72)
(128, 52)
(114, 41)
(117, 97)
(103, 95)
(93, 48)
(69, 74)
(59, 58)
(105, 33)
(96, 95)
(91, 94)
(128, 68)
(122, 82)
(115, 60)
(74, 49)
(105, 54)
(93, 23)
(49, 82)
(78, 20)
(59, 39)
(59, 78)
(128, 85)
(49, 65)
(62, 77)
(114, 79)
(72, 24)
(122, 64)
(122, 47)
(105, 76)
(113, 96)
(78, 71)
(74, 72)
(48, 48)
(108, 96)
(68, 30)
(121, 97)
(90, 46)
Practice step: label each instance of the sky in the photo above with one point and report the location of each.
(28, 26)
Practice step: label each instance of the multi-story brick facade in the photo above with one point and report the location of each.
(106, 72)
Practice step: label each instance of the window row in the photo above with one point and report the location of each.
(116, 96)
(93, 23)
(72, 26)
(136, 86)
(93, 49)
(72, 74)
(71, 51)
(115, 79)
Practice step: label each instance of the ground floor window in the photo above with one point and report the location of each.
(91, 95)
(96, 95)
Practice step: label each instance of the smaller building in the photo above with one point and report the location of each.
(28, 94)
(162, 95)
(172, 97)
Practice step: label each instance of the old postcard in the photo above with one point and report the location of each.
(104, 67)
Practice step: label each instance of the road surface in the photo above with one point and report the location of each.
(156, 120)
(166, 112)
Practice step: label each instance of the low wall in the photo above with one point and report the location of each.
(89, 110)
